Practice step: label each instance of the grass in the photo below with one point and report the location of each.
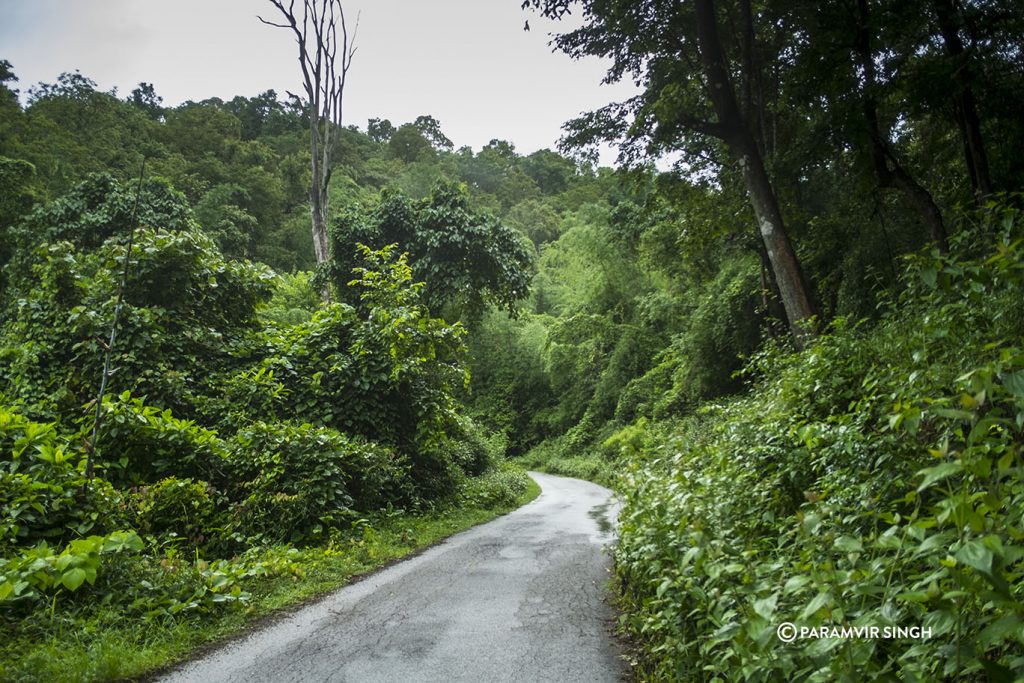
(591, 466)
(55, 647)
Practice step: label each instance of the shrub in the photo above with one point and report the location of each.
(386, 370)
(472, 450)
(294, 482)
(110, 574)
(181, 508)
(186, 312)
(502, 486)
(43, 493)
(845, 491)
(140, 444)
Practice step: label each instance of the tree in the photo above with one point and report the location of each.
(431, 129)
(145, 98)
(678, 51)
(551, 171)
(467, 260)
(325, 60)
(889, 170)
(409, 144)
(949, 19)
(380, 130)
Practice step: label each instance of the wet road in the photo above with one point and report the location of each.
(521, 598)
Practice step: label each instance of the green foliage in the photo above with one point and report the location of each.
(178, 508)
(561, 456)
(295, 482)
(475, 452)
(848, 492)
(99, 208)
(186, 308)
(466, 260)
(17, 178)
(43, 494)
(144, 444)
(294, 300)
(502, 486)
(386, 370)
(42, 571)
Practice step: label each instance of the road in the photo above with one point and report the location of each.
(521, 598)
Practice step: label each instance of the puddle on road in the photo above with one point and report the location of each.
(599, 513)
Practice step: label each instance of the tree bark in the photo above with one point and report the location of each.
(963, 98)
(771, 300)
(735, 132)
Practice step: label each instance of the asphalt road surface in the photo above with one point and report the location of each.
(522, 598)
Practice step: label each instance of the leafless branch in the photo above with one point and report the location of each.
(325, 58)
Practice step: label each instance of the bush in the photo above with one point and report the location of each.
(111, 574)
(473, 451)
(178, 508)
(186, 314)
(386, 370)
(845, 491)
(140, 444)
(294, 482)
(43, 493)
(502, 486)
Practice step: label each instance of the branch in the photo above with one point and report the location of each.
(270, 23)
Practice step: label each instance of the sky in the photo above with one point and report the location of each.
(468, 63)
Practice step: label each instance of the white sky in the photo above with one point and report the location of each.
(469, 63)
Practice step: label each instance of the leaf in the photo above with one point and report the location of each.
(975, 555)
(73, 578)
(998, 631)
(849, 544)
(819, 601)
(929, 276)
(1014, 383)
(938, 473)
(765, 607)
(796, 583)
(64, 561)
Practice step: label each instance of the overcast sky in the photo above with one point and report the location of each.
(469, 63)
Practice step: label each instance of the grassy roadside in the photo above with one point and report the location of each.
(87, 648)
(550, 457)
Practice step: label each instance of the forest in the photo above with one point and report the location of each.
(795, 350)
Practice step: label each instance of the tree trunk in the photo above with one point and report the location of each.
(736, 134)
(771, 300)
(888, 170)
(318, 199)
(317, 205)
(963, 99)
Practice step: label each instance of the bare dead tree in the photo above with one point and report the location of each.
(325, 58)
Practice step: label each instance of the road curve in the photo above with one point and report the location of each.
(521, 598)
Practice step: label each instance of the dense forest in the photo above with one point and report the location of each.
(796, 354)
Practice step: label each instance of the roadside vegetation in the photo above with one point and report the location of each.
(90, 641)
(796, 354)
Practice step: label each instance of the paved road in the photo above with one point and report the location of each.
(518, 599)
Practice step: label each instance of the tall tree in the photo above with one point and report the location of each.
(888, 169)
(325, 58)
(949, 19)
(678, 52)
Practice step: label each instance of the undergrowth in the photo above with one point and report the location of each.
(875, 479)
(96, 641)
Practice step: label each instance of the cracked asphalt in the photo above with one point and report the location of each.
(522, 598)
